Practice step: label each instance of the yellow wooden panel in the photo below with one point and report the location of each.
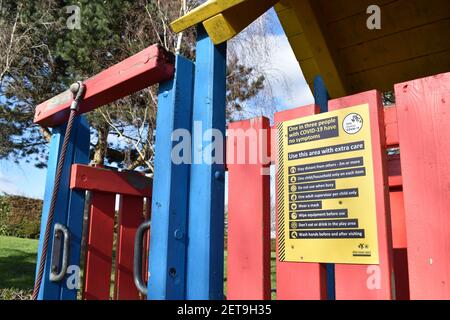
(309, 69)
(385, 77)
(282, 5)
(289, 22)
(333, 10)
(395, 17)
(300, 46)
(203, 12)
(229, 23)
(319, 47)
(406, 45)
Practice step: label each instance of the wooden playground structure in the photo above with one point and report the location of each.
(170, 229)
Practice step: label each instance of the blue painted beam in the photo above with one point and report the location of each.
(167, 259)
(76, 149)
(321, 98)
(206, 199)
(75, 210)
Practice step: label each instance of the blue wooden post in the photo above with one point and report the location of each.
(69, 205)
(167, 259)
(75, 212)
(206, 199)
(321, 98)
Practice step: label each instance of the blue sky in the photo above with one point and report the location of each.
(26, 180)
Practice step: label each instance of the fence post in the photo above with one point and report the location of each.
(248, 260)
(205, 260)
(69, 205)
(168, 239)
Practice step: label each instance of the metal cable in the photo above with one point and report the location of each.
(78, 90)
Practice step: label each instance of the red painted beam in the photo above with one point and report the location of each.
(298, 281)
(248, 263)
(150, 66)
(106, 180)
(423, 122)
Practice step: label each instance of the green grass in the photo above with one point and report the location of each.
(18, 263)
(17, 266)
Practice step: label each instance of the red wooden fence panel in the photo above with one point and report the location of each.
(423, 114)
(248, 263)
(370, 281)
(99, 247)
(299, 280)
(105, 184)
(131, 215)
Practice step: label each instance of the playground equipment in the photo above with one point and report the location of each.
(185, 254)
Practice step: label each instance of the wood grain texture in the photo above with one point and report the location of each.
(423, 111)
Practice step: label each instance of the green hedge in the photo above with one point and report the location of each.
(20, 216)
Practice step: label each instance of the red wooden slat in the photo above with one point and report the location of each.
(397, 219)
(373, 281)
(150, 66)
(131, 215)
(390, 122)
(248, 263)
(106, 180)
(99, 247)
(299, 280)
(423, 121)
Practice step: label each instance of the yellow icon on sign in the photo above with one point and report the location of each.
(294, 235)
(293, 179)
(293, 188)
(293, 170)
(293, 197)
(293, 215)
(293, 206)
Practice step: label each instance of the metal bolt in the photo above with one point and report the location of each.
(178, 234)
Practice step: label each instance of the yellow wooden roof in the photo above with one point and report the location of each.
(330, 37)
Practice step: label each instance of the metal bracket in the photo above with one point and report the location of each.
(137, 265)
(60, 236)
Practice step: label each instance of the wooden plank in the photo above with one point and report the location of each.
(248, 263)
(205, 257)
(383, 78)
(97, 271)
(107, 180)
(416, 42)
(131, 215)
(168, 245)
(150, 66)
(390, 125)
(335, 10)
(398, 219)
(308, 17)
(52, 290)
(75, 212)
(396, 16)
(423, 118)
(370, 281)
(229, 23)
(204, 11)
(303, 281)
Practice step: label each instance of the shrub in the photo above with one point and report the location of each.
(20, 216)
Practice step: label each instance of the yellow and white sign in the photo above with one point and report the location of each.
(326, 198)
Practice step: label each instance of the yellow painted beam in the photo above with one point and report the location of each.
(314, 42)
(226, 25)
(203, 12)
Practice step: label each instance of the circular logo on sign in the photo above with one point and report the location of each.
(352, 123)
